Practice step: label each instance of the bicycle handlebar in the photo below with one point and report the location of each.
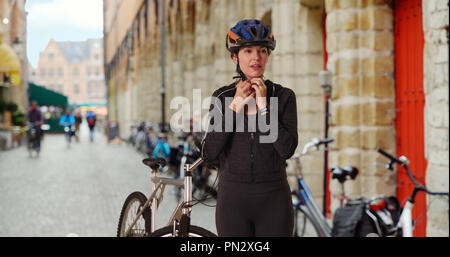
(313, 142)
(326, 141)
(392, 158)
(404, 164)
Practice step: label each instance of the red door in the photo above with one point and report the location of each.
(410, 102)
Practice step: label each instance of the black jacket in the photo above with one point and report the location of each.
(241, 155)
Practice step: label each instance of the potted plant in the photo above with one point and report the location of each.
(2, 110)
(10, 108)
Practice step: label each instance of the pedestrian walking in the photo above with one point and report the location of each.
(78, 121)
(91, 120)
(254, 197)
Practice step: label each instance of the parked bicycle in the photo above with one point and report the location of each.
(186, 153)
(143, 142)
(138, 215)
(351, 219)
(405, 225)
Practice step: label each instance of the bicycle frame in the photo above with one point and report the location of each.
(159, 184)
(306, 202)
(308, 205)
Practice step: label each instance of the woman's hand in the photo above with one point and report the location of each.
(260, 91)
(243, 96)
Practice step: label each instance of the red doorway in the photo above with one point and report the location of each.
(410, 103)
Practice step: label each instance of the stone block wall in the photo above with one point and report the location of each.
(360, 44)
(435, 26)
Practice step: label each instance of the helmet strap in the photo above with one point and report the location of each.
(241, 74)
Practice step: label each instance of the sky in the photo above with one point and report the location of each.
(62, 20)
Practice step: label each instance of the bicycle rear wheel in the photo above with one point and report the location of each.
(132, 206)
(194, 231)
(304, 225)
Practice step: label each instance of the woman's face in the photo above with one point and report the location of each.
(252, 60)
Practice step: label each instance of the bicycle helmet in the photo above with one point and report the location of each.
(247, 33)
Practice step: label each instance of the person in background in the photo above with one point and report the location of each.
(78, 121)
(162, 148)
(68, 120)
(91, 120)
(36, 120)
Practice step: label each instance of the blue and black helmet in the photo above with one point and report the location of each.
(248, 33)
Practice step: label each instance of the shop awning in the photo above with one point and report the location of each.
(45, 96)
(9, 61)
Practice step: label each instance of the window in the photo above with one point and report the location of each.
(88, 70)
(75, 71)
(76, 89)
(60, 88)
(50, 72)
(97, 71)
(42, 72)
(51, 86)
(51, 56)
(60, 71)
(97, 89)
(89, 88)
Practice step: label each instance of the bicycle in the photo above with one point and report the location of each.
(404, 226)
(69, 131)
(308, 218)
(33, 134)
(138, 215)
(185, 153)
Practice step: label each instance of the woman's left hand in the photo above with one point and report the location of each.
(261, 92)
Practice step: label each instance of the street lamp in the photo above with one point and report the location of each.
(326, 81)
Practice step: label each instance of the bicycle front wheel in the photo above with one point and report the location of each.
(132, 206)
(304, 225)
(194, 231)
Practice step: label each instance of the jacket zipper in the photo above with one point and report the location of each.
(252, 138)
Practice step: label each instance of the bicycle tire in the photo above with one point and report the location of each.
(304, 225)
(124, 215)
(194, 231)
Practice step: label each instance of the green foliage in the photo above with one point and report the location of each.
(2, 106)
(18, 118)
(11, 106)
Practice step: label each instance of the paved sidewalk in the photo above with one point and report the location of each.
(78, 189)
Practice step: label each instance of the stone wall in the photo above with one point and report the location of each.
(435, 25)
(360, 45)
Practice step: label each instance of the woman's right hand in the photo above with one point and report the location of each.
(244, 93)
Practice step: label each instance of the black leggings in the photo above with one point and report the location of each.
(249, 210)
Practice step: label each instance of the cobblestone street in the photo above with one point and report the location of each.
(78, 189)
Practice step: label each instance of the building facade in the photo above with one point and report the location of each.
(13, 55)
(364, 43)
(74, 69)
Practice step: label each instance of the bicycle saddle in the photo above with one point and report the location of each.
(341, 174)
(154, 163)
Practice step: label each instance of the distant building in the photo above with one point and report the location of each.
(74, 69)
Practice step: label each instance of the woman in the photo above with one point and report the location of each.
(254, 197)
